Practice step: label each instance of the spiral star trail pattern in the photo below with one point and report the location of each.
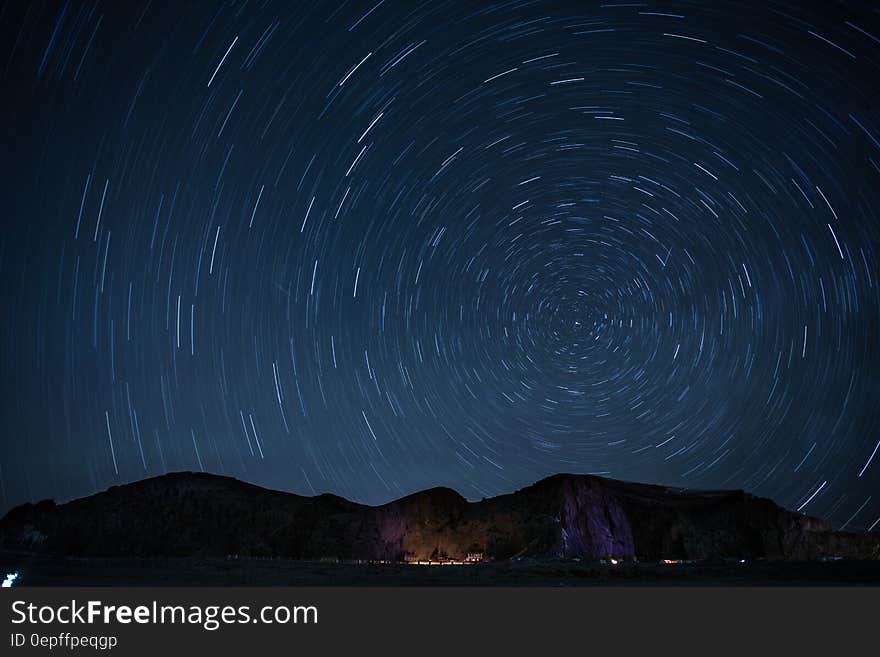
(369, 248)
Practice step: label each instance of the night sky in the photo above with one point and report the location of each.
(369, 248)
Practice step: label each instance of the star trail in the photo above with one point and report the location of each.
(372, 247)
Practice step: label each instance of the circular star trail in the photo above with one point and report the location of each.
(369, 248)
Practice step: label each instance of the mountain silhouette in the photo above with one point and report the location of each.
(564, 516)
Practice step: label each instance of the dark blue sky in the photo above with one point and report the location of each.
(370, 248)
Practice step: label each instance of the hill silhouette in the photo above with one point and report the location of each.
(564, 516)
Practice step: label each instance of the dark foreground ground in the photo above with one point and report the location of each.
(44, 571)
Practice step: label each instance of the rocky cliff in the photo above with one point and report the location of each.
(564, 516)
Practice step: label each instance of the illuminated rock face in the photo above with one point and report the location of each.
(561, 518)
(594, 522)
(564, 516)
